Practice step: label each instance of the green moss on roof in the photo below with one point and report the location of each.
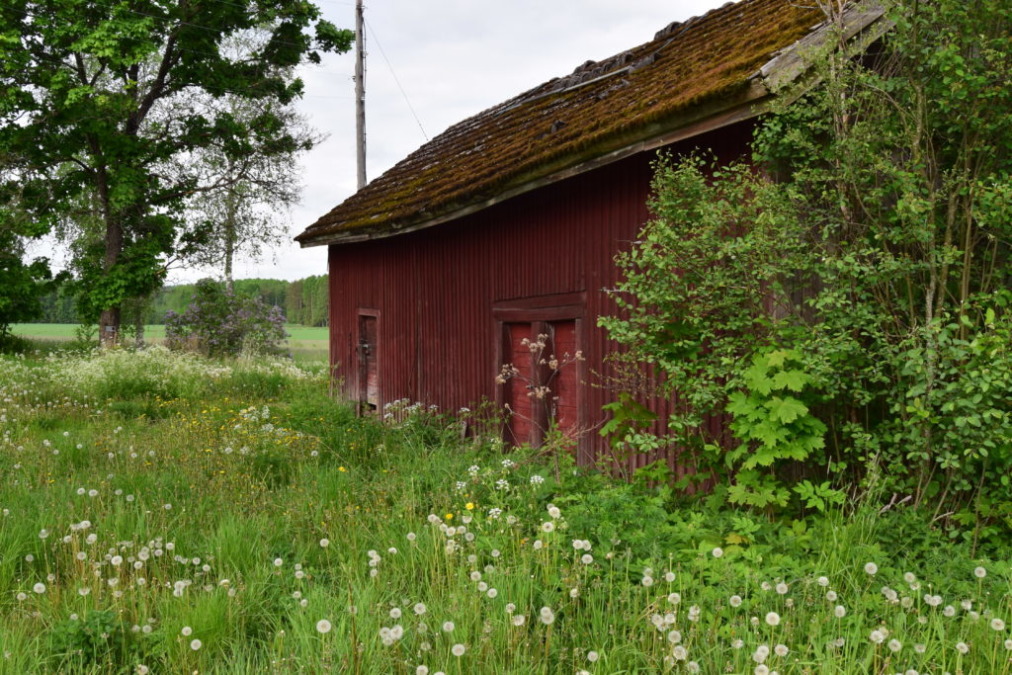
(594, 110)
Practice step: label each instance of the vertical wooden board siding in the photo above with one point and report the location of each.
(436, 289)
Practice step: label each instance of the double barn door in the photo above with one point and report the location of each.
(544, 392)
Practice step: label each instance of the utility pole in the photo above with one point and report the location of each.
(360, 92)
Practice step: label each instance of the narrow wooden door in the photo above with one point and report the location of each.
(521, 426)
(368, 364)
(565, 402)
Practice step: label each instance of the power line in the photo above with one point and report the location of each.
(372, 32)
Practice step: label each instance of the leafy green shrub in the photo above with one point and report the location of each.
(871, 245)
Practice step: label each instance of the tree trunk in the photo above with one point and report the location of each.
(108, 327)
(230, 209)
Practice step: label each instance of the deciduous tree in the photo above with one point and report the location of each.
(94, 101)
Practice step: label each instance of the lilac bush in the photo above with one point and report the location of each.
(220, 323)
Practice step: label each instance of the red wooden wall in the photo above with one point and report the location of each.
(447, 300)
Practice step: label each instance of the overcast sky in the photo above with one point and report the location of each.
(453, 59)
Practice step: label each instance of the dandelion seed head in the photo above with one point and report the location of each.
(773, 619)
(978, 572)
(323, 626)
(458, 649)
(196, 644)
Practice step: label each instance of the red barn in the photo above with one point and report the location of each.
(505, 226)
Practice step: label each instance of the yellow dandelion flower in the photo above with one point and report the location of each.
(449, 516)
(342, 469)
(469, 506)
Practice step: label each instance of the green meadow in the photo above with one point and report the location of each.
(306, 343)
(164, 513)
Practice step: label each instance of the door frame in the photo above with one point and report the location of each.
(539, 311)
(362, 389)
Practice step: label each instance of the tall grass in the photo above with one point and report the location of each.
(163, 513)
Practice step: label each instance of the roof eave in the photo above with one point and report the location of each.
(754, 101)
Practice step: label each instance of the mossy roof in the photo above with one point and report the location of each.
(600, 108)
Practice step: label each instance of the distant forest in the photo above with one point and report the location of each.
(303, 302)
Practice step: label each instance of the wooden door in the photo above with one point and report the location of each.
(539, 395)
(521, 425)
(368, 364)
(564, 384)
